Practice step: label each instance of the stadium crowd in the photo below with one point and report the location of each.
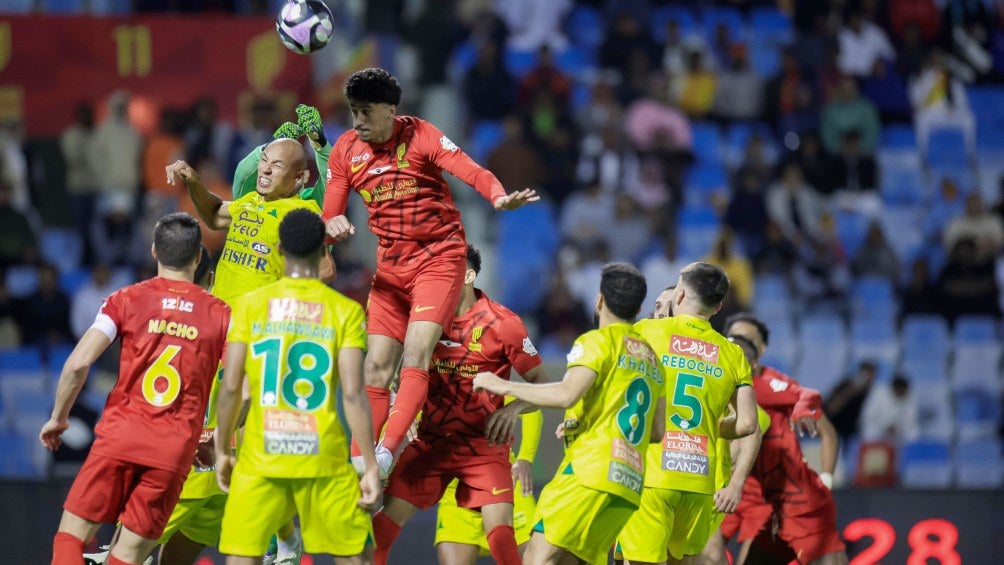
(840, 160)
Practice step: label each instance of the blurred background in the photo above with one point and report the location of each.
(843, 160)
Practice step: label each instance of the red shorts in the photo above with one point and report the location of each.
(747, 521)
(426, 292)
(810, 536)
(426, 468)
(110, 490)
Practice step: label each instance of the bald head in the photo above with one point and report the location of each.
(282, 169)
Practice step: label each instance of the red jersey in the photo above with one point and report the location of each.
(785, 479)
(172, 342)
(488, 337)
(411, 208)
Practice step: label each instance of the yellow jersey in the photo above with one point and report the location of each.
(250, 257)
(294, 330)
(607, 430)
(723, 460)
(201, 481)
(703, 369)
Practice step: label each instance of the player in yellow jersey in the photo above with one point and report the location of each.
(460, 532)
(681, 505)
(612, 390)
(297, 340)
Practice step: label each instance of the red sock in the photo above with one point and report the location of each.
(67, 549)
(502, 545)
(410, 398)
(112, 560)
(385, 531)
(379, 405)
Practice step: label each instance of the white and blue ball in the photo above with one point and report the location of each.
(304, 26)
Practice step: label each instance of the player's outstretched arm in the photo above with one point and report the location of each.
(212, 210)
(745, 422)
(829, 449)
(744, 452)
(562, 394)
(93, 343)
(359, 418)
(228, 408)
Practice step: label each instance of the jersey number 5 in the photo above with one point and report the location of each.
(684, 399)
(303, 385)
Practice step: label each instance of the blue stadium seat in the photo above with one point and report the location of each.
(898, 137)
(874, 339)
(62, 247)
(63, 6)
(72, 281)
(903, 185)
(712, 17)
(977, 366)
(978, 464)
(17, 462)
(29, 384)
(851, 229)
(465, 55)
(520, 62)
(934, 411)
(21, 281)
(977, 414)
(925, 464)
(576, 62)
(696, 242)
(582, 95)
(707, 142)
(18, 6)
(822, 328)
(485, 136)
(873, 298)
(975, 329)
(772, 24)
(821, 365)
(923, 366)
(706, 177)
(697, 215)
(925, 331)
(901, 225)
(585, 27)
(20, 360)
(527, 242)
(660, 18)
(946, 148)
(57, 356)
(765, 56)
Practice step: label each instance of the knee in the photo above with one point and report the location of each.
(378, 371)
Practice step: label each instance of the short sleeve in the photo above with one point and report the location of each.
(111, 314)
(591, 350)
(517, 345)
(240, 329)
(353, 325)
(744, 375)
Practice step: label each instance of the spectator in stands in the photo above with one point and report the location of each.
(887, 90)
(739, 95)
(587, 215)
(562, 160)
(757, 158)
(843, 405)
(979, 225)
(533, 24)
(947, 205)
(81, 179)
(889, 413)
(44, 317)
(632, 235)
(603, 111)
(88, 299)
(921, 16)
(740, 272)
(14, 166)
(677, 47)
(561, 319)
(160, 198)
(583, 274)
(913, 52)
(206, 136)
(862, 43)
(848, 112)
(515, 161)
(646, 185)
(793, 205)
(652, 123)
(967, 284)
(489, 89)
(115, 155)
(778, 254)
(626, 43)
(822, 274)
(940, 101)
(788, 98)
(919, 295)
(746, 213)
(967, 30)
(855, 174)
(876, 257)
(545, 76)
(18, 244)
(816, 165)
(605, 159)
(695, 90)
(662, 269)
(257, 125)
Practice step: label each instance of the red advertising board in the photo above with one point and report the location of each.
(50, 64)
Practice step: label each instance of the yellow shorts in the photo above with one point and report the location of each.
(676, 521)
(198, 519)
(579, 519)
(330, 519)
(460, 525)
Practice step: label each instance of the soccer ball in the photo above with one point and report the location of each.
(304, 26)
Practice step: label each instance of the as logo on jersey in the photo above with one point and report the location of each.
(260, 248)
(692, 347)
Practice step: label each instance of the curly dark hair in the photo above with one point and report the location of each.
(301, 233)
(473, 259)
(623, 288)
(373, 86)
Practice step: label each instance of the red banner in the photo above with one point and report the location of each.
(50, 64)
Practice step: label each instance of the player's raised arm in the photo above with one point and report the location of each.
(562, 394)
(228, 409)
(212, 210)
(93, 343)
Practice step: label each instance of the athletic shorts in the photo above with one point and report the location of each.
(579, 519)
(425, 468)
(669, 520)
(110, 490)
(198, 519)
(330, 519)
(813, 534)
(460, 525)
(747, 521)
(427, 292)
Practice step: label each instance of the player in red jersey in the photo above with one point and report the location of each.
(465, 434)
(396, 165)
(172, 334)
(792, 514)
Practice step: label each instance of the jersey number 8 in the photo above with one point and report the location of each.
(303, 386)
(631, 418)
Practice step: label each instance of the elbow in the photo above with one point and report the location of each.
(745, 428)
